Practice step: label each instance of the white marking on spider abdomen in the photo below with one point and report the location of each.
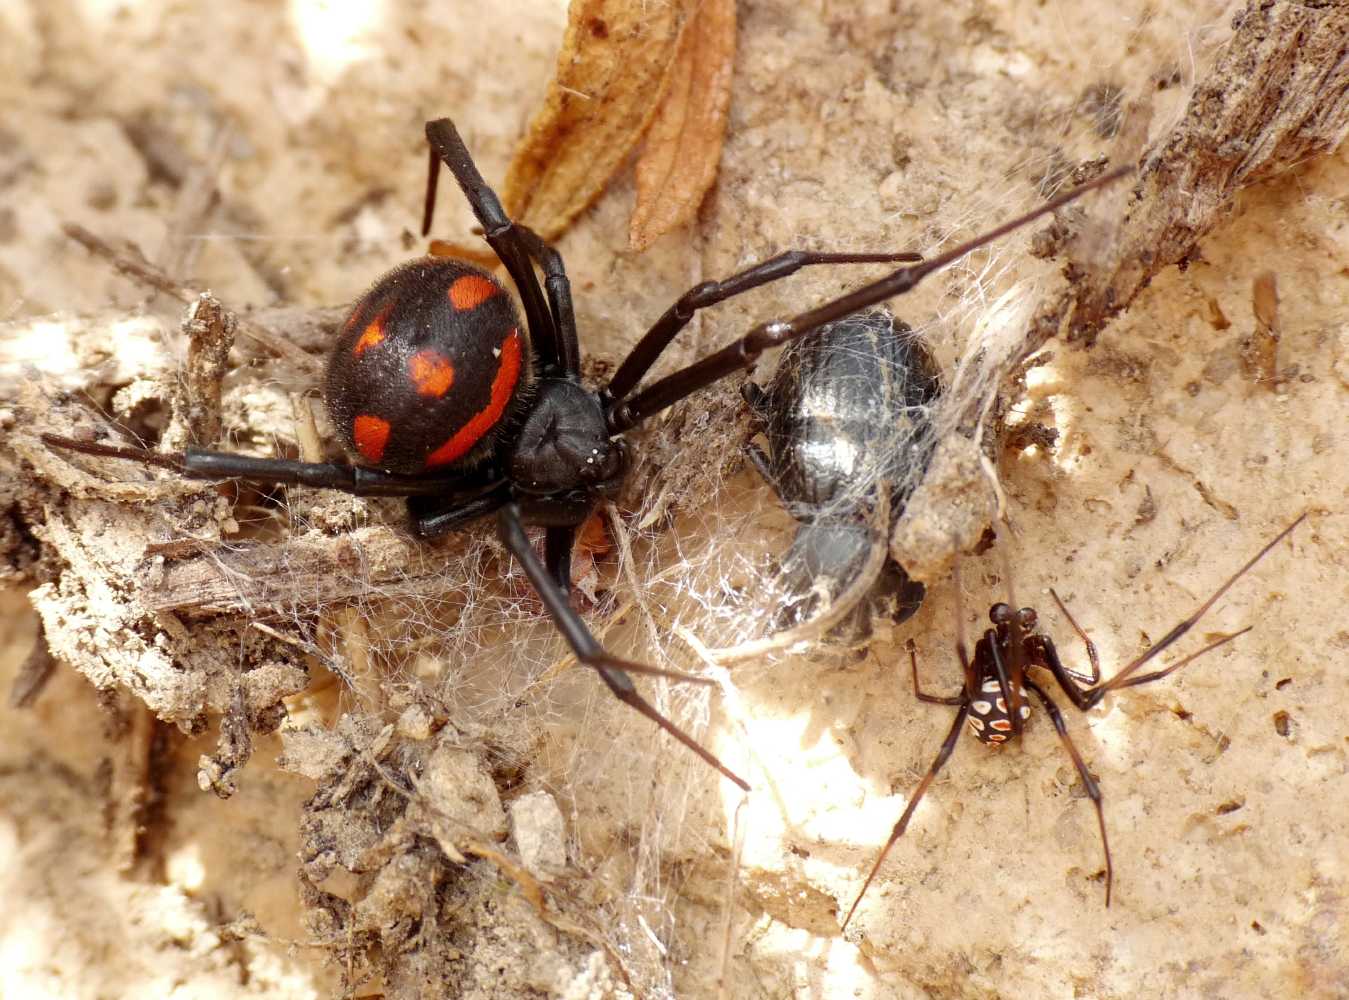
(989, 719)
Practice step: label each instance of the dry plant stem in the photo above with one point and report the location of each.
(1277, 95)
(128, 795)
(610, 73)
(138, 269)
(305, 572)
(210, 329)
(728, 901)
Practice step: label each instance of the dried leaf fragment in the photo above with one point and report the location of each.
(610, 73)
(683, 146)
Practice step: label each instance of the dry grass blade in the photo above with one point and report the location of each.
(610, 74)
(683, 146)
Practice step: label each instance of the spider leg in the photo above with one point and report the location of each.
(434, 519)
(943, 755)
(1088, 782)
(920, 694)
(1124, 677)
(1095, 675)
(557, 543)
(612, 670)
(504, 237)
(709, 293)
(1010, 680)
(665, 392)
(196, 463)
(558, 287)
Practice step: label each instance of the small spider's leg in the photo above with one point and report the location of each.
(557, 543)
(962, 652)
(612, 670)
(1088, 782)
(502, 235)
(709, 293)
(745, 351)
(1120, 679)
(1095, 675)
(196, 463)
(1010, 681)
(1157, 675)
(1068, 679)
(943, 755)
(920, 694)
(558, 286)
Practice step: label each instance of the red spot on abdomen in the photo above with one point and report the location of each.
(370, 337)
(503, 388)
(371, 434)
(431, 373)
(471, 291)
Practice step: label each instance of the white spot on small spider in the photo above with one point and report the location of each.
(1025, 711)
(590, 461)
(982, 707)
(496, 352)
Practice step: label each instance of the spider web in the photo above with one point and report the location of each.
(685, 562)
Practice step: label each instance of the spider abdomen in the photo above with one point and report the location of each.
(989, 718)
(427, 367)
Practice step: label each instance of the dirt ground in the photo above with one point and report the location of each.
(272, 153)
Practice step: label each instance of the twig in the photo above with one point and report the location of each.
(137, 268)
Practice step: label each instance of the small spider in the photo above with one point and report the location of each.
(444, 399)
(992, 702)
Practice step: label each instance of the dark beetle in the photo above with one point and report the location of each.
(847, 408)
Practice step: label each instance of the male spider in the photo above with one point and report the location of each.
(992, 700)
(433, 386)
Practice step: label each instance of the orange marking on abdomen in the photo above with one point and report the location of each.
(503, 388)
(371, 435)
(370, 337)
(471, 291)
(431, 373)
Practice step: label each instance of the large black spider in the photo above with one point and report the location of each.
(432, 385)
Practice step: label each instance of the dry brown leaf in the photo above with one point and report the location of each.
(609, 78)
(683, 146)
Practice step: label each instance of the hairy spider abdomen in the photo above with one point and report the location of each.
(428, 368)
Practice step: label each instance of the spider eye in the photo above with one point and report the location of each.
(1027, 618)
(1000, 613)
